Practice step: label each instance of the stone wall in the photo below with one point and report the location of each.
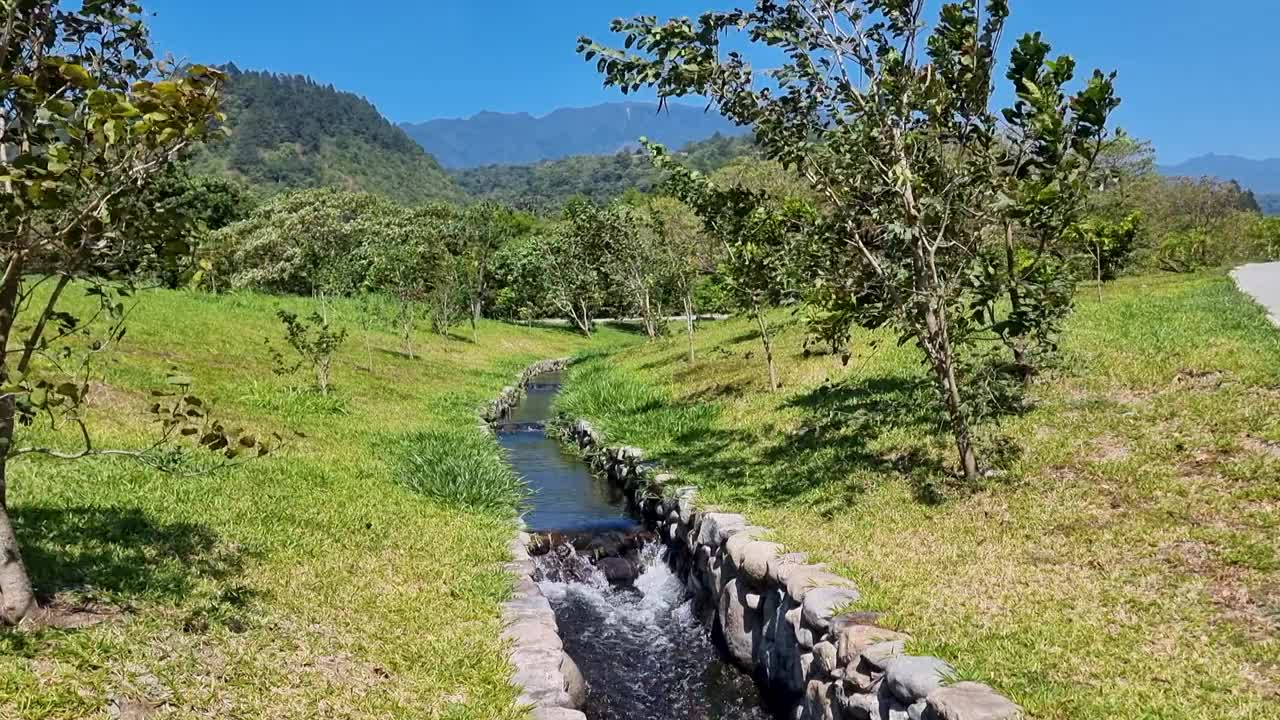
(547, 678)
(783, 619)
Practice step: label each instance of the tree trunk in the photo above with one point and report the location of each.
(936, 342)
(17, 599)
(646, 308)
(688, 317)
(1016, 345)
(475, 320)
(768, 346)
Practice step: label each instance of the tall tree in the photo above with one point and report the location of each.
(86, 116)
(688, 254)
(889, 119)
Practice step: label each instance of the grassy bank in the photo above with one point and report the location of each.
(323, 582)
(1126, 564)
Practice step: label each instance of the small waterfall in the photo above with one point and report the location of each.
(640, 645)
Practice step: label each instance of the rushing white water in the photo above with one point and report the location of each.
(642, 650)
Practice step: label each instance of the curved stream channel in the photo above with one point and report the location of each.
(637, 640)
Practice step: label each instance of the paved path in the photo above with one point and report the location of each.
(1262, 281)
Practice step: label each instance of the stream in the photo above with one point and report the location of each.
(637, 640)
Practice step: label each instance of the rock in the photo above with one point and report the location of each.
(969, 701)
(817, 701)
(821, 604)
(617, 571)
(714, 524)
(532, 634)
(556, 713)
(875, 658)
(740, 625)
(858, 707)
(824, 656)
(754, 565)
(574, 683)
(911, 678)
(802, 579)
(851, 640)
(780, 567)
(539, 678)
(859, 682)
(916, 711)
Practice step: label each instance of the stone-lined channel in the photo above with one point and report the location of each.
(624, 616)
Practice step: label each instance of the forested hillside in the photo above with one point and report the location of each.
(546, 186)
(289, 132)
(519, 138)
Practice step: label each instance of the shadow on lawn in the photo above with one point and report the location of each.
(122, 556)
(849, 435)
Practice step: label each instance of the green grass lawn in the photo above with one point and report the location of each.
(1125, 565)
(316, 583)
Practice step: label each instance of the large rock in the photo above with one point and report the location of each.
(754, 565)
(618, 571)
(872, 706)
(851, 640)
(574, 684)
(715, 527)
(824, 656)
(969, 701)
(801, 580)
(740, 624)
(817, 704)
(876, 658)
(911, 678)
(823, 603)
(533, 634)
(781, 566)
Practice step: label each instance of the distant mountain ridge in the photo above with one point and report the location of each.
(1260, 176)
(290, 132)
(490, 138)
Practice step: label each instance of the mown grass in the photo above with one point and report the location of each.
(316, 583)
(1126, 564)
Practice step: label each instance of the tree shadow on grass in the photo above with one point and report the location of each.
(849, 435)
(123, 557)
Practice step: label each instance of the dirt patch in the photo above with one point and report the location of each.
(1256, 611)
(62, 614)
(1200, 379)
(1257, 446)
(128, 709)
(1109, 448)
(344, 669)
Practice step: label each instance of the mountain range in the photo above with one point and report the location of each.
(491, 138)
(1260, 176)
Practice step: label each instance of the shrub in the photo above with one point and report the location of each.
(461, 469)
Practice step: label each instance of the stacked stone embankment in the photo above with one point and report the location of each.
(548, 680)
(787, 621)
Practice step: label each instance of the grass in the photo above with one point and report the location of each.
(1126, 564)
(318, 583)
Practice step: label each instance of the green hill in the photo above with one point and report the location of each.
(289, 132)
(547, 185)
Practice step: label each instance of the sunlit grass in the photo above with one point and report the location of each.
(317, 583)
(1125, 563)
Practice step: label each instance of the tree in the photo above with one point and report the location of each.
(758, 234)
(480, 231)
(889, 119)
(631, 255)
(688, 253)
(86, 116)
(574, 278)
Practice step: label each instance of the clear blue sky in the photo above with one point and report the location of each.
(1197, 76)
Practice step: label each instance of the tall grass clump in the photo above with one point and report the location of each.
(625, 405)
(460, 469)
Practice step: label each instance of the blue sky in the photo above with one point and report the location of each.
(1197, 76)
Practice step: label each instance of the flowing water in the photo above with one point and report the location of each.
(640, 646)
